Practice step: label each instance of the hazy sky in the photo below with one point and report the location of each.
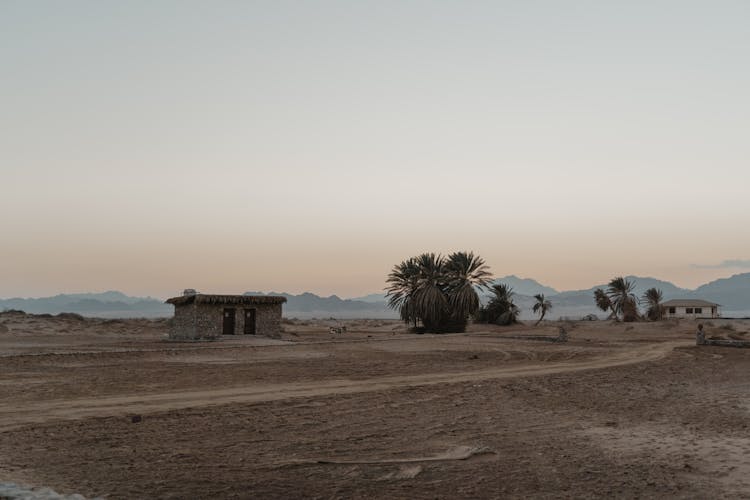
(309, 146)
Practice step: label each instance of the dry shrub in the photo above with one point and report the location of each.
(12, 312)
(563, 321)
(728, 327)
(73, 316)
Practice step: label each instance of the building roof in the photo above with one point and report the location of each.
(689, 303)
(200, 298)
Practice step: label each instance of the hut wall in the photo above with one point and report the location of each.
(209, 320)
(183, 324)
(695, 312)
(268, 320)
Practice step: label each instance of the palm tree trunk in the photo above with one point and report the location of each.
(539, 320)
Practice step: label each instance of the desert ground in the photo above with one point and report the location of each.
(110, 409)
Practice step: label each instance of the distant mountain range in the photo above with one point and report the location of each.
(104, 305)
(732, 293)
(309, 305)
(526, 286)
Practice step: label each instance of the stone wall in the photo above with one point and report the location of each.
(209, 320)
(702, 340)
(183, 323)
(267, 320)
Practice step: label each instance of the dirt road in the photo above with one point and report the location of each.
(13, 414)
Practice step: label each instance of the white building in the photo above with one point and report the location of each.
(690, 308)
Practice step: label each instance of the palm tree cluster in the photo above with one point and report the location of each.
(621, 302)
(500, 309)
(438, 292)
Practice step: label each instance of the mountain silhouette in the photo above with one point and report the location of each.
(732, 293)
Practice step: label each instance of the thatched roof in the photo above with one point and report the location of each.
(225, 299)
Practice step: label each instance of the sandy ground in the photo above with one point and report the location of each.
(620, 410)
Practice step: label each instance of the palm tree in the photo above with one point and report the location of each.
(624, 301)
(652, 298)
(542, 306)
(402, 283)
(440, 292)
(500, 309)
(465, 272)
(604, 303)
(430, 301)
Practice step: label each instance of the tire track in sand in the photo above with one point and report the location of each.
(15, 415)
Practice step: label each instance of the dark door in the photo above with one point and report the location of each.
(249, 321)
(228, 321)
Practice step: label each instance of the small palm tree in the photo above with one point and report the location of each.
(624, 301)
(604, 303)
(500, 309)
(652, 299)
(541, 306)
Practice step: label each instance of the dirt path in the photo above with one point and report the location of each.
(14, 415)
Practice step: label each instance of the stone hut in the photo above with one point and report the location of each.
(201, 316)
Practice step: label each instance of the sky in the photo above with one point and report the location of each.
(298, 146)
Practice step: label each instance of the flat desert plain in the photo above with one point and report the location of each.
(108, 408)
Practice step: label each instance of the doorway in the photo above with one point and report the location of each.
(249, 321)
(228, 321)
